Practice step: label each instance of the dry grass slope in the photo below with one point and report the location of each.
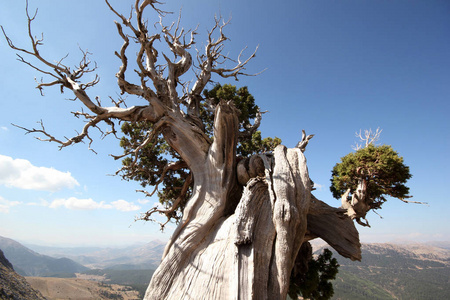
(79, 289)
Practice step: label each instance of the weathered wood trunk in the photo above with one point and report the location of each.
(238, 242)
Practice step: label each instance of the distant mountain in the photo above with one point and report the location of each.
(444, 245)
(61, 251)
(29, 263)
(14, 286)
(387, 271)
(138, 257)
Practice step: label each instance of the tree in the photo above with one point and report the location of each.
(245, 218)
(315, 283)
(311, 278)
(364, 178)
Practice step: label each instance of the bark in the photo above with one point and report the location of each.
(242, 242)
(359, 204)
(335, 227)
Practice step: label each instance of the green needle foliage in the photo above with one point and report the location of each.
(241, 98)
(316, 282)
(158, 165)
(249, 144)
(380, 166)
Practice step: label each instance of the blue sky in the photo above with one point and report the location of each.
(333, 68)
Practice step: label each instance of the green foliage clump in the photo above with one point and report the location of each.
(153, 154)
(380, 166)
(241, 98)
(245, 103)
(147, 166)
(257, 145)
(316, 282)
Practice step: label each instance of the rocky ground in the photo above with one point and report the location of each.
(14, 286)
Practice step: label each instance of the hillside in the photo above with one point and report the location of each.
(71, 288)
(395, 272)
(14, 286)
(29, 263)
(137, 279)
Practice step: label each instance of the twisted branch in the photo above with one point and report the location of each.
(369, 138)
(304, 142)
(169, 212)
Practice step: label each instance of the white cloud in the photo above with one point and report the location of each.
(143, 201)
(89, 204)
(41, 202)
(79, 204)
(3, 128)
(123, 205)
(5, 205)
(158, 205)
(318, 186)
(20, 173)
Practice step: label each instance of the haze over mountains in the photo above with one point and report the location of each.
(138, 257)
(51, 261)
(387, 271)
(29, 263)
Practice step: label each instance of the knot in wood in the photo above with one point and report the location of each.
(249, 168)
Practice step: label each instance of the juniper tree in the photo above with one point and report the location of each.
(364, 179)
(242, 217)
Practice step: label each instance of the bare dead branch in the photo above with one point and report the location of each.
(304, 142)
(147, 54)
(251, 128)
(124, 85)
(163, 98)
(152, 4)
(125, 21)
(150, 137)
(209, 62)
(173, 166)
(416, 202)
(59, 68)
(369, 138)
(68, 142)
(168, 212)
(21, 59)
(237, 70)
(179, 49)
(119, 102)
(365, 224)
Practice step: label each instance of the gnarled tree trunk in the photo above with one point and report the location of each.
(242, 243)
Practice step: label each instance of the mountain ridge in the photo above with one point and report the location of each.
(144, 256)
(393, 271)
(30, 263)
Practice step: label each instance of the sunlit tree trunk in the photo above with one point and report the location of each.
(239, 242)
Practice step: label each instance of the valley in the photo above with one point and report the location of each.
(74, 288)
(390, 271)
